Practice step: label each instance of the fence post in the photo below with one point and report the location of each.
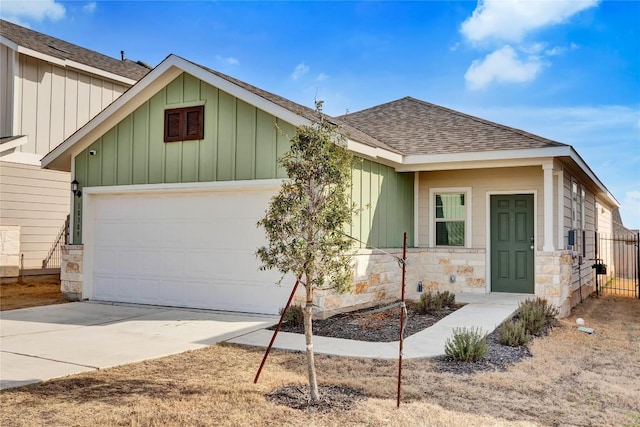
(638, 265)
(596, 260)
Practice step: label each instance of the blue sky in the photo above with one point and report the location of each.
(565, 70)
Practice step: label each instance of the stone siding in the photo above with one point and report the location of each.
(71, 272)
(9, 250)
(378, 277)
(554, 277)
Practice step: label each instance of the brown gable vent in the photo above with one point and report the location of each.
(184, 124)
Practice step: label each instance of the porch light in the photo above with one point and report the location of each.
(74, 188)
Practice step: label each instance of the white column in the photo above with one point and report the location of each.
(560, 193)
(416, 209)
(548, 208)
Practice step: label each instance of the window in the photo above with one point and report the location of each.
(184, 124)
(450, 215)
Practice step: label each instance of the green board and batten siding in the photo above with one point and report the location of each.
(240, 142)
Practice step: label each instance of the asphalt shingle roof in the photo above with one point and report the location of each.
(61, 49)
(415, 127)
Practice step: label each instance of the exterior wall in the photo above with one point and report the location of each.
(51, 103)
(240, 142)
(37, 202)
(481, 181)
(378, 278)
(385, 200)
(6, 89)
(54, 102)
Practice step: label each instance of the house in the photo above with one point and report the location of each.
(173, 176)
(49, 88)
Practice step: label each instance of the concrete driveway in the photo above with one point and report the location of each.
(41, 343)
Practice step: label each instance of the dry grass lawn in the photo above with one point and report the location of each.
(572, 379)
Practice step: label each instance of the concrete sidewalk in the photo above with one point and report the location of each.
(47, 342)
(485, 311)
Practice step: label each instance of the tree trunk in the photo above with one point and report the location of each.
(308, 336)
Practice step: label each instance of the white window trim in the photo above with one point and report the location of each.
(432, 215)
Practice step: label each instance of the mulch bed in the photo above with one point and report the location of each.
(370, 325)
(383, 326)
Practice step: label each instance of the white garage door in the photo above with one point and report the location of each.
(183, 249)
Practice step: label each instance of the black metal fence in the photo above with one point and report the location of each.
(617, 265)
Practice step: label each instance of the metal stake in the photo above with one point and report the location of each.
(275, 333)
(402, 309)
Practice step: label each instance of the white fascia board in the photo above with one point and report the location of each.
(374, 153)
(8, 43)
(22, 140)
(22, 158)
(110, 116)
(478, 164)
(65, 63)
(425, 159)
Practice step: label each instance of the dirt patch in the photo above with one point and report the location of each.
(35, 291)
(332, 398)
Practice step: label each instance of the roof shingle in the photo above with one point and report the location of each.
(64, 50)
(308, 113)
(416, 127)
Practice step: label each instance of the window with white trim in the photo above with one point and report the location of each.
(450, 219)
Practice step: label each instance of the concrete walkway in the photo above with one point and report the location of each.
(485, 311)
(47, 342)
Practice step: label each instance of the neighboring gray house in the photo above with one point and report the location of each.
(174, 174)
(48, 89)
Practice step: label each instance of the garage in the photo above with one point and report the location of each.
(187, 248)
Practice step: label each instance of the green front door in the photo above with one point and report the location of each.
(512, 243)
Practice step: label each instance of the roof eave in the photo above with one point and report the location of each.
(502, 158)
(66, 63)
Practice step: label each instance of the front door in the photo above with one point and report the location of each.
(512, 243)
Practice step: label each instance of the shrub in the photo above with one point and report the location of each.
(432, 303)
(448, 298)
(466, 344)
(549, 310)
(513, 334)
(532, 316)
(294, 316)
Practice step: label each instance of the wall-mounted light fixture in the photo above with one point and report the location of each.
(74, 188)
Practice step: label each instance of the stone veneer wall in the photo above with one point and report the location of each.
(71, 272)
(554, 278)
(378, 277)
(9, 250)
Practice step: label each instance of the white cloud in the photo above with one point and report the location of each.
(18, 11)
(90, 7)
(229, 60)
(511, 20)
(502, 65)
(560, 50)
(321, 77)
(300, 70)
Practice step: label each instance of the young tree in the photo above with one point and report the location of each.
(304, 223)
